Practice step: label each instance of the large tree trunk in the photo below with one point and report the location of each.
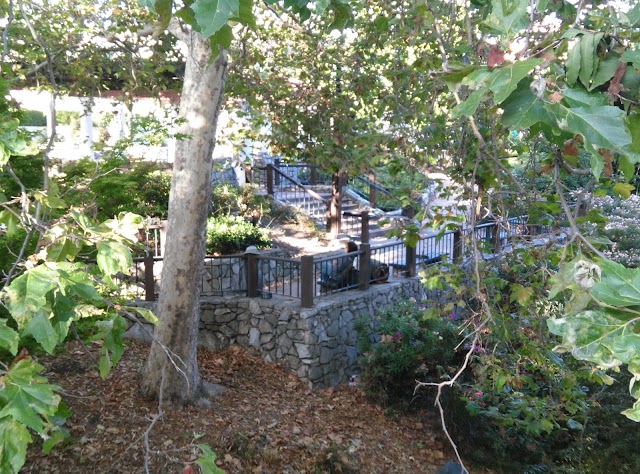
(175, 377)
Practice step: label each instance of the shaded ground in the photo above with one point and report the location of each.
(267, 422)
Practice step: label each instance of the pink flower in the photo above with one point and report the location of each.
(478, 394)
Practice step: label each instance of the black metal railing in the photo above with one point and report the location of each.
(310, 277)
(373, 192)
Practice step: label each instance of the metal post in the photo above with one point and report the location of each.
(270, 179)
(372, 190)
(496, 237)
(364, 266)
(313, 178)
(307, 281)
(252, 275)
(149, 281)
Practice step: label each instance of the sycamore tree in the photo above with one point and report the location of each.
(206, 28)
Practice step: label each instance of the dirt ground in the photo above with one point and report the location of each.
(266, 422)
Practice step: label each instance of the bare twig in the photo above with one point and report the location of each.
(5, 33)
(575, 232)
(82, 344)
(154, 421)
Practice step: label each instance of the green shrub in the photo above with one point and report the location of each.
(233, 234)
(30, 171)
(33, 118)
(238, 200)
(518, 406)
(64, 117)
(115, 185)
(410, 346)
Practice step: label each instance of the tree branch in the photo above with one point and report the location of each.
(5, 34)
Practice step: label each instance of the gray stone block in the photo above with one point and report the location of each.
(254, 337)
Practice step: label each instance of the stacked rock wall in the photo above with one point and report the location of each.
(318, 344)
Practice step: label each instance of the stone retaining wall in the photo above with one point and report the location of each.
(318, 344)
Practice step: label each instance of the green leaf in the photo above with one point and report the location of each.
(222, 39)
(62, 249)
(26, 295)
(633, 413)
(632, 17)
(596, 163)
(164, 10)
(574, 425)
(631, 56)
(11, 221)
(144, 312)
(212, 15)
(9, 338)
(114, 257)
(623, 190)
(469, 106)
(40, 328)
(245, 13)
(14, 439)
(572, 64)
(601, 127)
(508, 16)
(627, 167)
(632, 124)
(110, 332)
(605, 72)
(341, 16)
(504, 81)
(207, 461)
(581, 98)
(590, 335)
(53, 439)
(571, 33)
(523, 109)
(29, 399)
(521, 294)
(588, 57)
(618, 286)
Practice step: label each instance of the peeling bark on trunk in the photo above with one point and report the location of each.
(178, 307)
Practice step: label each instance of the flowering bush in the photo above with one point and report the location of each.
(407, 345)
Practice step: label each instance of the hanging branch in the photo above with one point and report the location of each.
(5, 34)
(575, 232)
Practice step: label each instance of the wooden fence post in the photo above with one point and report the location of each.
(364, 266)
(270, 179)
(496, 237)
(307, 281)
(276, 164)
(252, 275)
(149, 280)
(457, 245)
(410, 252)
(364, 227)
